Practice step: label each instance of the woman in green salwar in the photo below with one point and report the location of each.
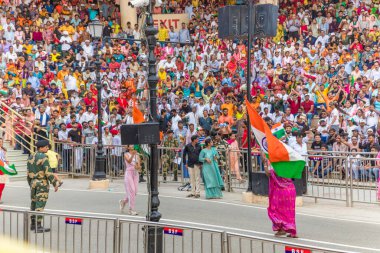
(211, 175)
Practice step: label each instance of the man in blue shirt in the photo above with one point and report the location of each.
(184, 35)
(173, 35)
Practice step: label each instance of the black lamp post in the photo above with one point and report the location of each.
(155, 234)
(96, 31)
(249, 98)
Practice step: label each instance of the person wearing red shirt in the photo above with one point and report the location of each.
(357, 45)
(73, 119)
(114, 65)
(294, 102)
(89, 100)
(308, 107)
(179, 64)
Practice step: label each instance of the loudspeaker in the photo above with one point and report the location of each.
(260, 184)
(147, 133)
(264, 19)
(233, 21)
(229, 21)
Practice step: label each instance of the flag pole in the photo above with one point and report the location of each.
(249, 98)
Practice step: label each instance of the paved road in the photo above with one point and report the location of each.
(330, 225)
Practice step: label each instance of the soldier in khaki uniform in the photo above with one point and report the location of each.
(40, 176)
(169, 154)
(221, 146)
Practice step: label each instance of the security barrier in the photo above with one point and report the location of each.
(89, 233)
(330, 175)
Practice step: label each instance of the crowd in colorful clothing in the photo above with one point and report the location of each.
(319, 77)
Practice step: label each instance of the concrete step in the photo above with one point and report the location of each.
(19, 159)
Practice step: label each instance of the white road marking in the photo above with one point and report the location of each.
(217, 202)
(201, 225)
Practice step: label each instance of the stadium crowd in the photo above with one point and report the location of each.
(319, 77)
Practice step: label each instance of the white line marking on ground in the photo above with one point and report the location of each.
(218, 202)
(201, 225)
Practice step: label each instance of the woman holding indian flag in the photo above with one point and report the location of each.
(283, 164)
(5, 170)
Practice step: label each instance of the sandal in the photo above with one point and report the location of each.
(280, 233)
(292, 236)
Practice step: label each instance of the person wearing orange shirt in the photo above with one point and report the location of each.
(61, 76)
(226, 119)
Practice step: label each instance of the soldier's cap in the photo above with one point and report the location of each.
(42, 143)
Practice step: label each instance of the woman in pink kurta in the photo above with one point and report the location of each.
(282, 204)
(131, 180)
(234, 154)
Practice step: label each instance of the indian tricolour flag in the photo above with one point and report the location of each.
(285, 161)
(278, 130)
(8, 169)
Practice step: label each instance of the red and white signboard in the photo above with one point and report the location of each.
(169, 20)
(289, 249)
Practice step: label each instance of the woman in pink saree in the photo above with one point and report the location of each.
(282, 202)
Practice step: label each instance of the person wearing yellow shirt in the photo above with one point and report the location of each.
(229, 106)
(61, 76)
(240, 113)
(195, 3)
(321, 94)
(28, 47)
(54, 55)
(67, 28)
(53, 162)
(115, 28)
(280, 33)
(163, 33)
(162, 74)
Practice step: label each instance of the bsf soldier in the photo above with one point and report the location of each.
(221, 145)
(40, 176)
(169, 155)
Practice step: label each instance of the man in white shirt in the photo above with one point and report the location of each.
(175, 119)
(372, 117)
(89, 115)
(375, 73)
(67, 152)
(193, 116)
(88, 49)
(334, 117)
(10, 55)
(71, 84)
(323, 38)
(300, 146)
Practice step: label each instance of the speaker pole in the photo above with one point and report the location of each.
(249, 97)
(155, 234)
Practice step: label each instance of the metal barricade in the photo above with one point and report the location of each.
(91, 233)
(240, 157)
(237, 243)
(328, 177)
(69, 233)
(364, 178)
(76, 159)
(176, 239)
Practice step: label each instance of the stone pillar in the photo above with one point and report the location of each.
(127, 14)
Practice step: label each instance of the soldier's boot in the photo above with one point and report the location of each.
(33, 223)
(164, 176)
(40, 228)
